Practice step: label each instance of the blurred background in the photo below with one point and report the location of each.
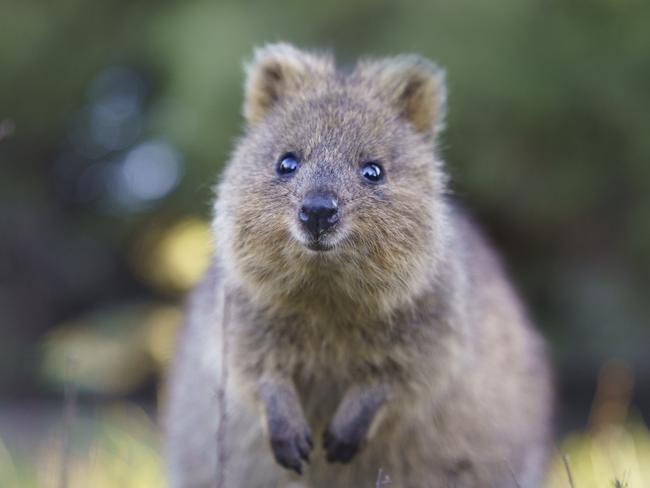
(116, 118)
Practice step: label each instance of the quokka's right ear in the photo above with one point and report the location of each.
(276, 71)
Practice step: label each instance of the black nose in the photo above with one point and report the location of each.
(319, 212)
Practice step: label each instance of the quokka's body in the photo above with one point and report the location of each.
(352, 314)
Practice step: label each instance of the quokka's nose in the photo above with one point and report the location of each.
(318, 213)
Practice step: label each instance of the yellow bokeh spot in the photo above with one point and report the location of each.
(616, 456)
(174, 258)
(111, 351)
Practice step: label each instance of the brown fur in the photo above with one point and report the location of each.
(404, 348)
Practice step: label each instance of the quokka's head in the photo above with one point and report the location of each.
(335, 169)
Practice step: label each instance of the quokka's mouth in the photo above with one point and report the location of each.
(319, 246)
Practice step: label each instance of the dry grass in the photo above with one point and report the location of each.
(119, 447)
(115, 447)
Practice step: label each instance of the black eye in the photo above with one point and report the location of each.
(287, 164)
(372, 172)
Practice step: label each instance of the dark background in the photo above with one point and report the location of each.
(116, 118)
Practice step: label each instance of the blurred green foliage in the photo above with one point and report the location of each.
(547, 142)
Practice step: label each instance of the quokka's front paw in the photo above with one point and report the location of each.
(342, 443)
(291, 445)
(348, 430)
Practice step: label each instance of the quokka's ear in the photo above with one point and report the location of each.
(278, 70)
(413, 85)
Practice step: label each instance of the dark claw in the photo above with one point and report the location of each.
(291, 452)
(339, 450)
(303, 446)
(286, 455)
(304, 453)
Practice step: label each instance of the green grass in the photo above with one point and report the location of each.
(120, 447)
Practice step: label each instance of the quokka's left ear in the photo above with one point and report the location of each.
(413, 85)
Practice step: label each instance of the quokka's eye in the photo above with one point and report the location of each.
(287, 164)
(372, 172)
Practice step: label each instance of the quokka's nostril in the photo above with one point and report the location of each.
(303, 215)
(333, 216)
